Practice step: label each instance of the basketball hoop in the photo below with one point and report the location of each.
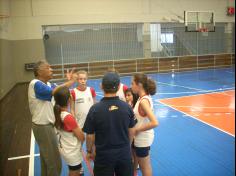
(3, 22)
(199, 21)
(204, 31)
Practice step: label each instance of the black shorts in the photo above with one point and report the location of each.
(141, 151)
(74, 168)
(121, 168)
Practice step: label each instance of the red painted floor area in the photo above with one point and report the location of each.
(215, 109)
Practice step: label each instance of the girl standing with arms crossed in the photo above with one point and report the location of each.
(143, 110)
(70, 134)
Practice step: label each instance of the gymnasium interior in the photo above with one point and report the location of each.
(186, 46)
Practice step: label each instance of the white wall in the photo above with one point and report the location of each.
(29, 15)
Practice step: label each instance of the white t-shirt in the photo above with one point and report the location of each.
(41, 102)
(69, 145)
(83, 101)
(144, 138)
(121, 92)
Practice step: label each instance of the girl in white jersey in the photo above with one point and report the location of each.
(121, 91)
(83, 97)
(143, 110)
(70, 133)
(122, 87)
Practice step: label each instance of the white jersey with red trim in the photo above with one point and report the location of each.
(144, 138)
(120, 93)
(69, 145)
(83, 101)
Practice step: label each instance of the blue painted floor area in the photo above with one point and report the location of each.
(184, 146)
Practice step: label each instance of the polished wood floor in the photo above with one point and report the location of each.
(15, 132)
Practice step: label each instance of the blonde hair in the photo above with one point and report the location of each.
(113, 70)
(82, 72)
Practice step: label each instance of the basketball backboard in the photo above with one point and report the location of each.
(195, 21)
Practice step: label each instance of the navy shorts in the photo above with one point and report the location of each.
(74, 168)
(141, 151)
(120, 168)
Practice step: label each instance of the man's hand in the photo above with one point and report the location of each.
(71, 75)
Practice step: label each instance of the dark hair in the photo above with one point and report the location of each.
(37, 65)
(135, 96)
(149, 85)
(61, 97)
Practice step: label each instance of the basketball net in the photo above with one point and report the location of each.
(204, 31)
(4, 23)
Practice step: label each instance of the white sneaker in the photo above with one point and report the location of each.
(81, 172)
(137, 167)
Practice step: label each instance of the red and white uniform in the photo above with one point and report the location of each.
(83, 101)
(69, 145)
(144, 138)
(121, 92)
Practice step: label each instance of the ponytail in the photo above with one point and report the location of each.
(61, 96)
(151, 86)
(57, 113)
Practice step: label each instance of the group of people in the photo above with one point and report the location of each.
(118, 129)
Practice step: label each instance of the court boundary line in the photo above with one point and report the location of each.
(186, 71)
(176, 85)
(31, 159)
(87, 163)
(22, 157)
(199, 120)
(209, 91)
(99, 93)
(193, 95)
(199, 107)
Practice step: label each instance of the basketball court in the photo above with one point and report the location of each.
(187, 47)
(196, 134)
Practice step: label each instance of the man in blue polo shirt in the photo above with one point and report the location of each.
(109, 124)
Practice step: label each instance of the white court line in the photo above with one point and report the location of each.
(21, 157)
(195, 95)
(200, 107)
(229, 72)
(200, 90)
(100, 95)
(31, 159)
(174, 93)
(199, 120)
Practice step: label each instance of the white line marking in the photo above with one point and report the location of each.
(198, 90)
(194, 92)
(229, 72)
(21, 157)
(193, 95)
(199, 108)
(31, 159)
(200, 120)
(100, 95)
